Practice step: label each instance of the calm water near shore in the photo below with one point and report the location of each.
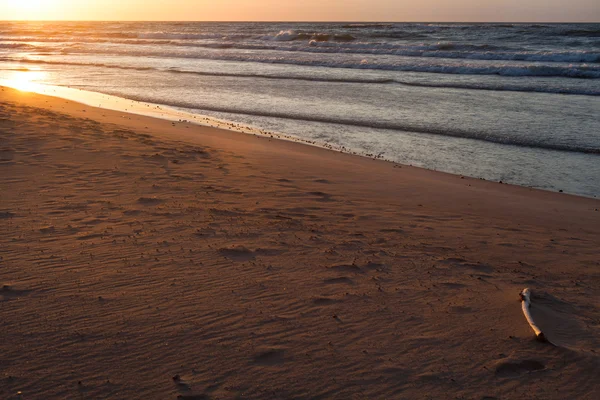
(513, 102)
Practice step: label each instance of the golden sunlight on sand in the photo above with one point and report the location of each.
(150, 259)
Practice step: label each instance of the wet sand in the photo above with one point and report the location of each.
(142, 258)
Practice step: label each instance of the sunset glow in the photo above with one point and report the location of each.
(24, 81)
(308, 10)
(27, 5)
(31, 9)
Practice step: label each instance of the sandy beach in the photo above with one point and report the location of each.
(145, 259)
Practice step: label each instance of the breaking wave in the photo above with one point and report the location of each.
(291, 35)
(508, 70)
(521, 141)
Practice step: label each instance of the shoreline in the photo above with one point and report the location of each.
(180, 131)
(168, 113)
(172, 115)
(144, 258)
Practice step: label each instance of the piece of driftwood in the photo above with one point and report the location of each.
(525, 305)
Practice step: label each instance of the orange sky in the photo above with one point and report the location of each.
(304, 10)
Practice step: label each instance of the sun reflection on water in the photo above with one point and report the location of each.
(25, 81)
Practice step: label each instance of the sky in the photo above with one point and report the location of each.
(305, 10)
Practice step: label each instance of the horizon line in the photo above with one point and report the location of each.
(307, 22)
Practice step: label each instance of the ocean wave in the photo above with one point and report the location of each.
(81, 64)
(581, 56)
(206, 73)
(16, 46)
(403, 35)
(514, 141)
(292, 35)
(521, 141)
(465, 46)
(283, 77)
(188, 36)
(496, 87)
(490, 86)
(454, 51)
(91, 40)
(201, 31)
(582, 71)
(159, 35)
(581, 33)
(110, 36)
(367, 25)
(320, 43)
(506, 87)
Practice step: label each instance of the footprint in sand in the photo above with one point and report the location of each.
(324, 301)
(355, 269)
(149, 200)
(237, 253)
(6, 155)
(47, 229)
(321, 196)
(461, 263)
(342, 280)
(512, 368)
(392, 230)
(270, 357)
(6, 215)
(8, 292)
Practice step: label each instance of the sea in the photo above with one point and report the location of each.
(517, 103)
